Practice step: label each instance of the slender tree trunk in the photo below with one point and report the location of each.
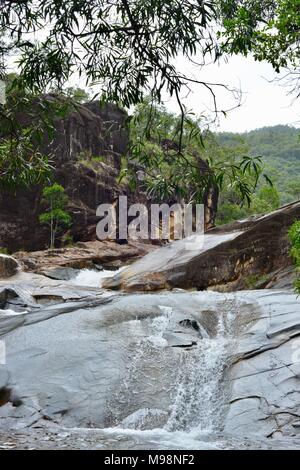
(51, 234)
(54, 231)
(51, 227)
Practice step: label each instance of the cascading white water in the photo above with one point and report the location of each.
(175, 388)
(172, 390)
(136, 404)
(92, 278)
(199, 396)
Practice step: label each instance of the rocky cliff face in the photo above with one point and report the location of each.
(86, 155)
(87, 132)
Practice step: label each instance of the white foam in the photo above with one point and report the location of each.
(92, 278)
(142, 417)
(9, 312)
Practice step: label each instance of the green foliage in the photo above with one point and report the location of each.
(266, 200)
(279, 147)
(129, 48)
(21, 164)
(256, 281)
(294, 236)
(77, 94)
(126, 46)
(267, 29)
(87, 158)
(26, 120)
(293, 188)
(177, 160)
(55, 216)
(228, 212)
(67, 239)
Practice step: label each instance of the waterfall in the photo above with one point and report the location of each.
(199, 395)
(176, 388)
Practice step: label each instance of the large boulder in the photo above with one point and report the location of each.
(232, 257)
(8, 266)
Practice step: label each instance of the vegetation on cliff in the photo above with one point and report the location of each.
(27, 120)
(186, 164)
(294, 236)
(175, 157)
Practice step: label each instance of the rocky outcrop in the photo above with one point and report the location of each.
(8, 266)
(86, 154)
(83, 131)
(93, 255)
(241, 255)
(265, 393)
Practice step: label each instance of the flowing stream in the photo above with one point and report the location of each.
(174, 387)
(100, 369)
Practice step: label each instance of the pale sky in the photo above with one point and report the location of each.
(263, 103)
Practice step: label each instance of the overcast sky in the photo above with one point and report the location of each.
(263, 103)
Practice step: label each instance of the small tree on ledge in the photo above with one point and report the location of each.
(55, 216)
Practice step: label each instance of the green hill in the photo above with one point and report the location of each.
(280, 148)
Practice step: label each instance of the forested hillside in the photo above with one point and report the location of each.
(280, 148)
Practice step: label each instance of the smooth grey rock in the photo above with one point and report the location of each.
(76, 365)
(111, 363)
(265, 378)
(61, 274)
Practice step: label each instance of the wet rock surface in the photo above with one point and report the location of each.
(169, 370)
(265, 393)
(93, 255)
(242, 255)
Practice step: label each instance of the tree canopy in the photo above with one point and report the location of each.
(267, 28)
(202, 163)
(130, 46)
(294, 236)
